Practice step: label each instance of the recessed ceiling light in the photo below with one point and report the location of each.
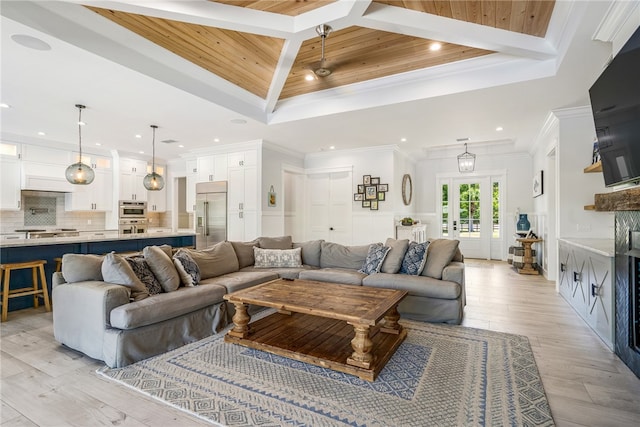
(332, 147)
(3, 105)
(499, 129)
(238, 121)
(138, 136)
(216, 139)
(141, 152)
(403, 139)
(435, 46)
(98, 144)
(41, 133)
(30, 42)
(309, 78)
(81, 123)
(180, 145)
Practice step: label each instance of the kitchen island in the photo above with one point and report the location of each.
(23, 250)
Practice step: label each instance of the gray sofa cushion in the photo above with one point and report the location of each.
(162, 267)
(215, 261)
(394, 258)
(80, 268)
(116, 270)
(344, 276)
(284, 272)
(240, 280)
(335, 255)
(165, 306)
(282, 242)
(439, 254)
(415, 285)
(244, 252)
(310, 252)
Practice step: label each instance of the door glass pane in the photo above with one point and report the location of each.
(469, 210)
(496, 211)
(445, 210)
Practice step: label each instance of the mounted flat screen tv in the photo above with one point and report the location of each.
(615, 103)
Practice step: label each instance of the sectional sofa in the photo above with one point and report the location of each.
(123, 309)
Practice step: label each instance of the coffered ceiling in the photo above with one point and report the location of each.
(254, 61)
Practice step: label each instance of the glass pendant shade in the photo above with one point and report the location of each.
(153, 181)
(80, 173)
(466, 161)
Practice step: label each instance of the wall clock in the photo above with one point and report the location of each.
(407, 189)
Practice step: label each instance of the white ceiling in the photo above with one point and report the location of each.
(127, 84)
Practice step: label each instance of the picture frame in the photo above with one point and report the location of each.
(381, 196)
(366, 179)
(538, 184)
(375, 181)
(366, 203)
(383, 187)
(374, 205)
(370, 192)
(360, 188)
(358, 197)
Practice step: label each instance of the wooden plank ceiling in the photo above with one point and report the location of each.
(353, 54)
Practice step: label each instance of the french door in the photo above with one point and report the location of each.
(467, 214)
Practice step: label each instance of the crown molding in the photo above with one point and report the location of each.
(615, 20)
(572, 112)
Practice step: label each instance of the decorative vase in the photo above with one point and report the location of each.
(523, 223)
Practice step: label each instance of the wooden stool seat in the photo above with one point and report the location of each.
(36, 267)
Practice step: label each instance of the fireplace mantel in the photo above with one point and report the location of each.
(623, 200)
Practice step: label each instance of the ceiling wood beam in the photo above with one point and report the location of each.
(287, 58)
(418, 24)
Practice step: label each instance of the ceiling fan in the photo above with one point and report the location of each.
(320, 69)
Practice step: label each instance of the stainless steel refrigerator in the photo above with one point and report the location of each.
(211, 213)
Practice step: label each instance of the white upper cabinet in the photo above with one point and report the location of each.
(192, 179)
(44, 168)
(10, 173)
(157, 200)
(132, 173)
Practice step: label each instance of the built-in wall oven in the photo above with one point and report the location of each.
(132, 226)
(132, 209)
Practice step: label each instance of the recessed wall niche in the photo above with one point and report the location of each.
(39, 210)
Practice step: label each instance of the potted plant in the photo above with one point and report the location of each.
(406, 221)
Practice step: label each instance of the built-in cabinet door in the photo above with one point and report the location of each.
(206, 168)
(96, 196)
(157, 199)
(192, 179)
(132, 173)
(242, 196)
(565, 277)
(600, 311)
(10, 172)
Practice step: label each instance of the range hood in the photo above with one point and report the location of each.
(41, 177)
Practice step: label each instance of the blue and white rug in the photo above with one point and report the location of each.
(440, 376)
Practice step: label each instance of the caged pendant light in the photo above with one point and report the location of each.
(466, 161)
(153, 181)
(80, 173)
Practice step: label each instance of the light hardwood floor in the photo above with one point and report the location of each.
(45, 384)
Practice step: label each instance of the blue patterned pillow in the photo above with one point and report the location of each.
(143, 272)
(414, 259)
(375, 257)
(188, 269)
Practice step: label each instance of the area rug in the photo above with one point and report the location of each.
(441, 375)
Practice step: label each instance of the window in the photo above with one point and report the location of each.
(445, 210)
(469, 210)
(496, 211)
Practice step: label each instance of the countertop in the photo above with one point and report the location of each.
(604, 247)
(92, 237)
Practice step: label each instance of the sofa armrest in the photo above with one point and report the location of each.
(81, 313)
(454, 272)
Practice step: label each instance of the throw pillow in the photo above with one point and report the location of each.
(375, 257)
(142, 271)
(393, 261)
(414, 259)
(215, 261)
(440, 254)
(244, 252)
(162, 267)
(270, 258)
(187, 268)
(80, 267)
(118, 271)
(310, 252)
(282, 242)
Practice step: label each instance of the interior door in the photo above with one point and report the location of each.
(329, 215)
(470, 215)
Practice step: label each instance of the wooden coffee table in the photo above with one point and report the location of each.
(351, 329)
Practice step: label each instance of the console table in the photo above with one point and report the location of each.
(416, 232)
(528, 257)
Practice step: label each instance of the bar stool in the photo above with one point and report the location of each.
(58, 261)
(35, 266)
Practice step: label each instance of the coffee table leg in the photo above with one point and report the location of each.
(390, 324)
(362, 345)
(241, 321)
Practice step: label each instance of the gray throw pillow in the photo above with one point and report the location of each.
(272, 258)
(439, 255)
(282, 242)
(310, 252)
(335, 255)
(244, 252)
(393, 261)
(162, 267)
(215, 261)
(376, 255)
(143, 272)
(115, 269)
(80, 267)
(187, 268)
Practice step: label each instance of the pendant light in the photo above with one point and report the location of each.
(80, 173)
(466, 161)
(153, 181)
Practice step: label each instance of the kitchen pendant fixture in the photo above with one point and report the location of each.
(80, 173)
(466, 161)
(153, 181)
